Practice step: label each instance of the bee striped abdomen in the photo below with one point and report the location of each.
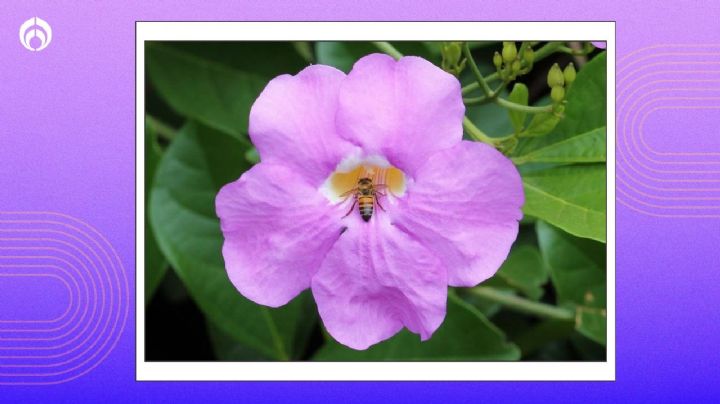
(365, 204)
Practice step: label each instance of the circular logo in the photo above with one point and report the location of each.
(35, 34)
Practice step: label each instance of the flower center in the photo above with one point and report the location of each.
(354, 177)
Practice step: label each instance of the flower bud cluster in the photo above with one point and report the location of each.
(511, 62)
(452, 60)
(559, 80)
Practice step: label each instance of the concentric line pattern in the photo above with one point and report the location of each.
(77, 336)
(658, 172)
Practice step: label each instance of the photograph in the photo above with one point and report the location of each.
(359, 202)
(381, 201)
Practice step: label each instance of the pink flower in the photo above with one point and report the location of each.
(600, 45)
(446, 210)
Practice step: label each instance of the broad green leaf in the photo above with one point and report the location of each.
(588, 349)
(227, 348)
(216, 83)
(198, 162)
(518, 95)
(586, 147)
(343, 55)
(464, 335)
(266, 59)
(577, 270)
(155, 264)
(584, 116)
(542, 334)
(541, 124)
(569, 197)
(525, 271)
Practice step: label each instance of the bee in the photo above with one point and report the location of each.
(365, 195)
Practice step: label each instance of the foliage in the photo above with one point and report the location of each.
(548, 300)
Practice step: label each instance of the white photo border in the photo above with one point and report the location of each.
(375, 371)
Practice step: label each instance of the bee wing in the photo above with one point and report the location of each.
(348, 193)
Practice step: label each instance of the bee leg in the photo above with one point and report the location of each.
(383, 187)
(351, 208)
(377, 201)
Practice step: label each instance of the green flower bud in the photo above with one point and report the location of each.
(557, 93)
(569, 73)
(451, 52)
(452, 60)
(515, 67)
(529, 55)
(497, 60)
(555, 77)
(509, 52)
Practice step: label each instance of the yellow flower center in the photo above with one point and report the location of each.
(343, 183)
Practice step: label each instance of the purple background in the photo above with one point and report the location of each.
(67, 145)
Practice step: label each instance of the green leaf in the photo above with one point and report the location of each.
(518, 95)
(569, 197)
(541, 124)
(584, 118)
(305, 50)
(343, 55)
(155, 264)
(588, 147)
(226, 348)
(577, 270)
(464, 335)
(216, 83)
(266, 59)
(542, 334)
(525, 271)
(198, 162)
(588, 349)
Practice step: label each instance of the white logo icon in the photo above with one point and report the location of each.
(35, 34)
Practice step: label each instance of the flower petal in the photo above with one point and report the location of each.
(404, 110)
(277, 231)
(293, 122)
(464, 206)
(376, 279)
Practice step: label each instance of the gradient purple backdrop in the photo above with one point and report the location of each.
(67, 126)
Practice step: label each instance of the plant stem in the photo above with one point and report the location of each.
(506, 103)
(571, 51)
(486, 99)
(523, 305)
(162, 129)
(389, 49)
(547, 50)
(476, 133)
(540, 54)
(523, 108)
(478, 76)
